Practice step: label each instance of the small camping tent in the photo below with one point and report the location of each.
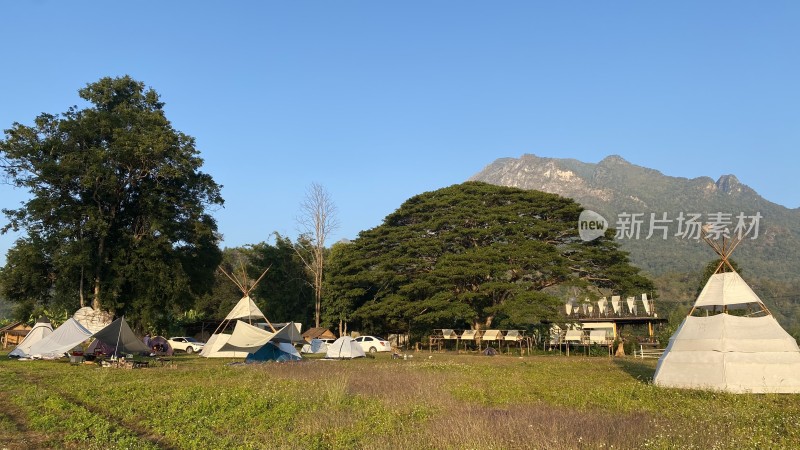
(63, 339)
(40, 330)
(316, 346)
(344, 348)
(160, 346)
(119, 337)
(274, 351)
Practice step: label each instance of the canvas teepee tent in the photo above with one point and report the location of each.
(40, 330)
(245, 309)
(730, 341)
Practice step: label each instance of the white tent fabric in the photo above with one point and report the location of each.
(646, 304)
(215, 343)
(39, 331)
(246, 338)
(728, 290)
(344, 348)
(63, 339)
(602, 304)
(727, 333)
(615, 303)
(289, 333)
(574, 336)
(316, 346)
(598, 337)
(245, 309)
(730, 353)
(631, 301)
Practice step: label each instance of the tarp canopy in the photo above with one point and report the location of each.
(274, 351)
(63, 339)
(215, 343)
(289, 333)
(119, 336)
(345, 348)
(246, 338)
(40, 330)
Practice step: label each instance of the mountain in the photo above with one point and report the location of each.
(618, 190)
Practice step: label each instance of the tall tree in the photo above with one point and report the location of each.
(117, 208)
(317, 221)
(472, 254)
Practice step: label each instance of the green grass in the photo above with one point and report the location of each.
(444, 401)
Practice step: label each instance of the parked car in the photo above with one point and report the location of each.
(186, 344)
(373, 344)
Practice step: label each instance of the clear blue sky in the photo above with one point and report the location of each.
(379, 101)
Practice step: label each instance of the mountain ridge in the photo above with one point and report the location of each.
(618, 190)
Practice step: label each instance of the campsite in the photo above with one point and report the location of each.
(433, 400)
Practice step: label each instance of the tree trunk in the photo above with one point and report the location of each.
(98, 267)
(80, 289)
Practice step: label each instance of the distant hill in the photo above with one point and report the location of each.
(616, 189)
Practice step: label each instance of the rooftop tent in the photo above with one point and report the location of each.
(63, 339)
(344, 348)
(274, 351)
(40, 330)
(119, 337)
(727, 352)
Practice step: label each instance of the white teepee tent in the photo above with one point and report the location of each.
(245, 309)
(734, 345)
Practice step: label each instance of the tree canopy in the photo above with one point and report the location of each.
(117, 209)
(475, 255)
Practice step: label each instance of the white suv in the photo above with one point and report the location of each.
(373, 344)
(186, 344)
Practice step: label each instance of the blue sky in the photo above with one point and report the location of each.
(379, 101)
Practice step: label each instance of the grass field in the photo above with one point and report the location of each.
(445, 401)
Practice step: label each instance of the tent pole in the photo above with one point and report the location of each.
(119, 334)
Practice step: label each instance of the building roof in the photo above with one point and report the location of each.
(318, 332)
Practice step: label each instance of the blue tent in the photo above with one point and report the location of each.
(274, 351)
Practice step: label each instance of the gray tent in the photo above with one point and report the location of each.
(118, 336)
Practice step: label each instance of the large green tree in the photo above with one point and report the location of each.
(117, 213)
(474, 255)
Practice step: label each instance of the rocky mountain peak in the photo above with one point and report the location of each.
(729, 184)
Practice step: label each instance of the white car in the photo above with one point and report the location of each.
(186, 344)
(372, 344)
